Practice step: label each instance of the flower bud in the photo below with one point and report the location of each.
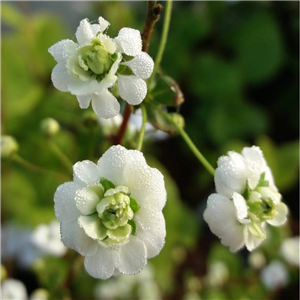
(90, 120)
(9, 146)
(49, 127)
(3, 273)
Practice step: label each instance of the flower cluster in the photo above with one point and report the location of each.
(97, 65)
(246, 200)
(112, 212)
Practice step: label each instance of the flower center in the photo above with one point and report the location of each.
(93, 60)
(110, 219)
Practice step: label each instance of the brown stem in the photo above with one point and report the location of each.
(126, 115)
(153, 13)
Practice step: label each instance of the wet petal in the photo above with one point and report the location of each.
(132, 257)
(86, 173)
(132, 89)
(129, 41)
(105, 104)
(102, 263)
(141, 65)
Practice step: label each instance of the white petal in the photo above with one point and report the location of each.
(102, 263)
(84, 244)
(86, 199)
(129, 41)
(95, 29)
(151, 230)
(105, 104)
(80, 88)
(132, 257)
(141, 65)
(13, 289)
(108, 43)
(221, 219)
(84, 100)
(251, 241)
(64, 203)
(112, 163)
(86, 173)
(103, 24)
(281, 215)
(231, 174)
(256, 164)
(67, 231)
(240, 206)
(146, 184)
(60, 77)
(92, 226)
(62, 50)
(132, 89)
(84, 32)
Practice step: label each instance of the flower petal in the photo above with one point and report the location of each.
(80, 88)
(84, 244)
(141, 65)
(240, 206)
(93, 226)
(256, 164)
(103, 24)
(251, 241)
(67, 231)
(132, 89)
(105, 105)
(62, 50)
(146, 184)
(112, 163)
(151, 230)
(281, 216)
(102, 263)
(87, 198)
(84, 100)
(221, 219)
(231, 174)
(86, 173)
(132, 257)
(129, 41)
(60, 77)
(84, 32)
(64, 203)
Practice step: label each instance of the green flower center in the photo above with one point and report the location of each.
(92, 60)
(111, 217)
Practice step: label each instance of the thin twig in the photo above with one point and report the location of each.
(153, 14)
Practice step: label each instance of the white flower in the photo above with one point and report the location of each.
(112, 212)
(96, 63)
(246, 199)
(17, 245)
(46, 237)
(290, 250)
(12, 289)
(275, 275)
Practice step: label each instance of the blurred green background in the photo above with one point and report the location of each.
(237, 64)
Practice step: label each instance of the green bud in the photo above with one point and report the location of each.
(9, 146)
(90, 120)
(49, 127)
(3, 273)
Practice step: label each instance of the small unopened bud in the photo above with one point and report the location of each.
(9, 146)
(90, 120)
(49, 127)
(3, 273)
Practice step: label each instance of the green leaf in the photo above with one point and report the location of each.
(167, 91)
(106, 184)
(134, 205)
(159, 121)
(133, 225)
